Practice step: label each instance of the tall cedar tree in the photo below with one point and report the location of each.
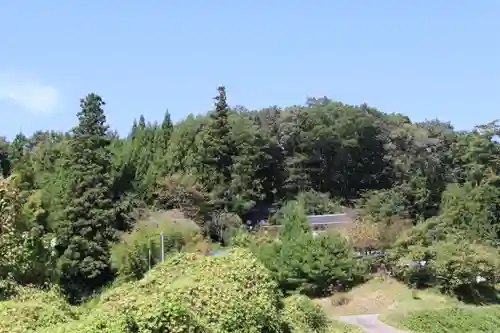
(166, 127)
(220, 150)
(86, 229)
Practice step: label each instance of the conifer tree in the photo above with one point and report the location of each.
(219, 151)
(86, 229)
(5, 164)
(142, 122)
(133, 132)
(167, 127)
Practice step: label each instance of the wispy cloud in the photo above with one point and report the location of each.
(29, 94)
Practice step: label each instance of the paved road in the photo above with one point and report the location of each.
(370, 324)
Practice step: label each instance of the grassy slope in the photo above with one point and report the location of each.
(453, 320)
(41, 311)
(385, 297)
(429, 312)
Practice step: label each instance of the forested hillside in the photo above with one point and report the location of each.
(66, 197)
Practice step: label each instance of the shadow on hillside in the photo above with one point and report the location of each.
(479, 295)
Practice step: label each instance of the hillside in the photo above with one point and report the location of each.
(177, 296)
(81, 211)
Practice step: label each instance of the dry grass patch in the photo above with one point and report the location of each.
(385, 297)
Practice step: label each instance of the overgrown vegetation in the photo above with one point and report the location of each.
(303, 263)
(453, 320)
(140, 249)
(177, 296)
(82, 211)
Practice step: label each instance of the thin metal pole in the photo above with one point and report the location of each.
(162, 236)
(149, 253)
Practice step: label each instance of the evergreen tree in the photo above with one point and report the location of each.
(17, 149)
(142, 122)
(133, 130)
(5, 164)
(220, 133)
(86, 229)
(219, 151)
(167, 127)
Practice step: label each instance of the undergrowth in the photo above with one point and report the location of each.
(189, 293)
(453, 320)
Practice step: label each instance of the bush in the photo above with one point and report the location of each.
(340, 298)
(381, 205)
(7, 289)
(453, 320)
(238, 296)
(189, 293)
(23, 250)
(313, 203)
(294, 221)
(473, 209)
(457, 265)
(223, 225)
(242, 238)
(452, 265)
(130, 257)
(302, 315)
(306, 264)
(365, 236)
(317, 203)
(96, 323)
(182, 192)
(31, 309)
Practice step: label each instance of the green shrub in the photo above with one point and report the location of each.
(164, 314)
(313, 202)
(302, 315)
(457, 264)
(242, 238)
(25, 250)
(381, 205)
(189, 293)
(7, 289)
(227, 293)
(306, 264)
(96, 323)
(130, 257)
(239, 296)
(31, 309)
(452, 265)
(317, 203)
(455, 320)
(223, 225)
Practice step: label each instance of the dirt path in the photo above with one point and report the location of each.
(369, 323)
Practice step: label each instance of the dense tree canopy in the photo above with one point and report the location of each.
(77, 190)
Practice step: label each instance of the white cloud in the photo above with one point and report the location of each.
(29, 94)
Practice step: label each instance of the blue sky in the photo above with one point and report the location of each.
(427, 59)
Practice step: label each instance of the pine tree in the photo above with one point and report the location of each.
(219, 150)
(167, 127)
(142, 122)
(86, 229)
(221, 132)
(161, 140)
(133, 131)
